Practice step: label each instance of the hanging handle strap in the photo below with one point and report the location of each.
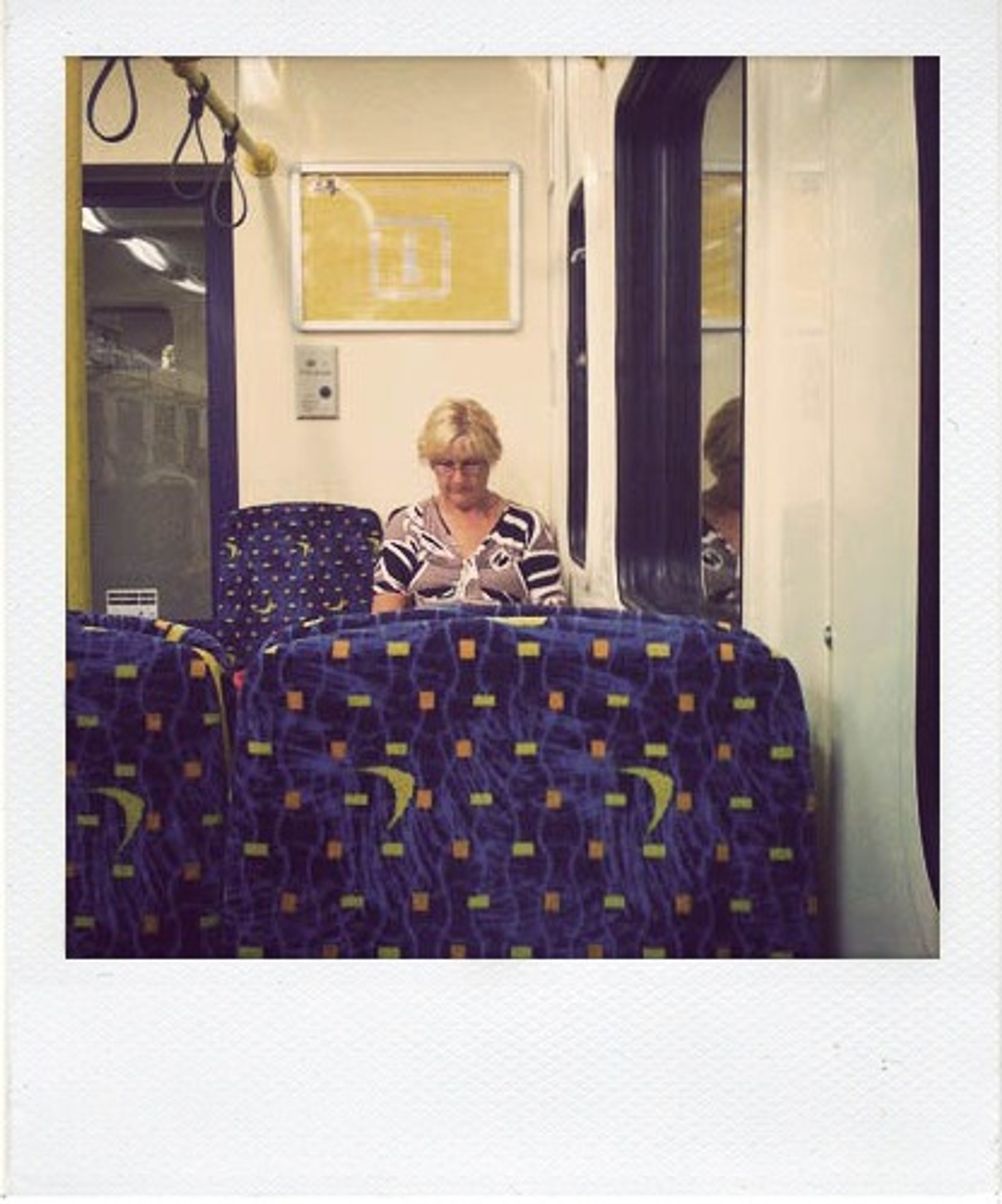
(95, 92)
(196, 108)
(228, 170)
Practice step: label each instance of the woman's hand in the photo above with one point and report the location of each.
(382, 603)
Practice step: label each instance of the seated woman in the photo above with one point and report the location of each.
(721, 550)
(465, 544)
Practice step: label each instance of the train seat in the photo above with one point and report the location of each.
(148, 709)
(519, 783)
(286, 561)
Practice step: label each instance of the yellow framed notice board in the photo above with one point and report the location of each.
(406, 247)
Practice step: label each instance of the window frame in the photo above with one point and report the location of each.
(658, 172)
(149, 186)
(577, 377)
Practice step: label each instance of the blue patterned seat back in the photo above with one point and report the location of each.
(288, 561)
(514, 783)
(147, 746)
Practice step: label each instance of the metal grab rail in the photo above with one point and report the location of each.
(262, 158)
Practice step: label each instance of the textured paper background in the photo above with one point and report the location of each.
(492, 1078)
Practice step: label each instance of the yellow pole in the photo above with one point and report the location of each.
(261, 158)
(78, 582)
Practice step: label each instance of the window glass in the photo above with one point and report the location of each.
(679, 199)
(147, 398)
(722, 321)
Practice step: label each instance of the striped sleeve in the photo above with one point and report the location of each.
(397, 561)
(540, 566)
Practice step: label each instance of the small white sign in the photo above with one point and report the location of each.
(144, 602)
(316, 381)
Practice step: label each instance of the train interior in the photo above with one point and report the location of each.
(657, 243)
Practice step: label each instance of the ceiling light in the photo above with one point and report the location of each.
(146, 252)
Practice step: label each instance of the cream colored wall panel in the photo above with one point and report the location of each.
(395, 110)
(787, 369)
(592, 93)
(831, 476)
(887, 908)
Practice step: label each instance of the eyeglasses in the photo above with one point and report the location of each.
(466, 467)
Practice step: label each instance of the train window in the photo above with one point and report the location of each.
(722, 317)
(160, 387)
(577, 379)
(668, 320)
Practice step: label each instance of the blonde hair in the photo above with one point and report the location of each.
(460, 419)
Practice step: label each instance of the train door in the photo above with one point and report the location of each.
(835, 416)
(161, 437)
(768, 242)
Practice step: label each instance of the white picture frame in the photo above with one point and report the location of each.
(406, 246)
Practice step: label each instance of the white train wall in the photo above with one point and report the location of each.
(831, 358)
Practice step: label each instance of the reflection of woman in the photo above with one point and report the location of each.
(465, 544)
(722, 507)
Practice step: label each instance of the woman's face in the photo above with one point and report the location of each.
(461, 475)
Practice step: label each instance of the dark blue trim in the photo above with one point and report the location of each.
(150, 187)
(659, 128)
(927, 653)
(577, 379)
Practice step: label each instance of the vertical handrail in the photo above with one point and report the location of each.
(78, 576)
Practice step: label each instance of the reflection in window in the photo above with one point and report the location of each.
(662, 336)
(722, 320)
(147, 393)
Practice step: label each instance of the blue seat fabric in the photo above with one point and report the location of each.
(288, 561)
(521, 783)
(147, 746)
